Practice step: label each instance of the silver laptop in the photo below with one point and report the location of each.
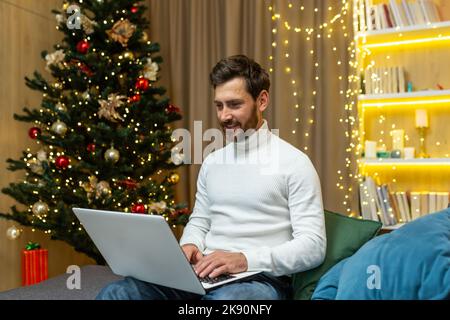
(143, 246)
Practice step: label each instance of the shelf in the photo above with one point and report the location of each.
(422, 98)
(394, 227)
(412, 35)
(417, 161)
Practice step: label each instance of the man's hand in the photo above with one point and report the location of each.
(192, 253)
(220, 262)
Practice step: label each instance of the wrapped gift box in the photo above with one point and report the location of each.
(34, 264)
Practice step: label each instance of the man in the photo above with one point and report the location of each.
(247, 217)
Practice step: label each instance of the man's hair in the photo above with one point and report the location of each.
(256, 78)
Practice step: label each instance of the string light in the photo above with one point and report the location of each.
(325, 30)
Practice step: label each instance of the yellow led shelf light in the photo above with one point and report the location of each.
(423, 99)
(409, 36)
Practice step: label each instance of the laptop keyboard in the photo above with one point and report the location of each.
(216, 279)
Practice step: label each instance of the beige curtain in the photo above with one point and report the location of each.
(195, 34)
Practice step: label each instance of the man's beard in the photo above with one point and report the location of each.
(234, 130)
(252, 123)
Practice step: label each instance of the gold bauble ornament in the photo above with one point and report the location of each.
(60, 107)
(144, 37)
(40, 208)
(102, 189)
(128, 55)
(174, 178)
(112, 155)
(13, 233)
(59, 128)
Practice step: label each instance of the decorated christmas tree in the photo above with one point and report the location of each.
(102, 134)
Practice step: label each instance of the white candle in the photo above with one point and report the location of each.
(398, 139)
(421, 118)
(409, 153)
(370, 150)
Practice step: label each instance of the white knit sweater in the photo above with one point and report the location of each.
(270, 209)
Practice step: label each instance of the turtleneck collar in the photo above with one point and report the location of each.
(257, 139)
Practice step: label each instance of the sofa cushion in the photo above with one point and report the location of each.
(92, 280)
(345, 236)
(410, 263)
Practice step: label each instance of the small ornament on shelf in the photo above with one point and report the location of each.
(409, 153)
(370, 150)
(422, 125)
(34, 264)
(398, 139)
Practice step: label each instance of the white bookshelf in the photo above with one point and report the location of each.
(406, 95)
(393, 161)
(435, 27)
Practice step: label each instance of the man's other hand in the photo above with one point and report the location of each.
(192, 253)
(221, 262)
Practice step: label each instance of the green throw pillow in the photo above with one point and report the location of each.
(345, 236)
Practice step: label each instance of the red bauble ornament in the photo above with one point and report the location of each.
(135, 98)
(128, 183)
(83, 46)
(138, 208)
(91, 147)
(134, 9)
(171, 108)
(142, 83)
(62, 162)
(34, 132)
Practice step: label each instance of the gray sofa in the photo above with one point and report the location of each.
(93, 279)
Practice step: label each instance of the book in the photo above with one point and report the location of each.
(374, 202)
(415, 205)
(403, 212)
(442, 200)
(369, 15)
(432, 202)
(391, 216)
(417, 13)
(364, 202)
(401, 80)
(408, 14)
(424, 209)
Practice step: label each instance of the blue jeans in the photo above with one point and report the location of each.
(259, 287)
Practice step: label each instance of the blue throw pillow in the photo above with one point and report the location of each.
(410, 263)
(328, 284)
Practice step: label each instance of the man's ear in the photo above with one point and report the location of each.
(263, 100)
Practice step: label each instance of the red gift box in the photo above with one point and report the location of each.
(34, 264)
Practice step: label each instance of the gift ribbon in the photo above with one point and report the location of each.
(32, 246)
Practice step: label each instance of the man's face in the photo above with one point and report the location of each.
(236, 108)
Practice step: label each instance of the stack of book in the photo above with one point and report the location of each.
(378, 80)
(379, 204)
(396, 14)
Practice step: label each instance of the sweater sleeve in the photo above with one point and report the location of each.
(199, 221)
(307, 248)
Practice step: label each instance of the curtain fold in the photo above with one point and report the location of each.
(195, 34)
